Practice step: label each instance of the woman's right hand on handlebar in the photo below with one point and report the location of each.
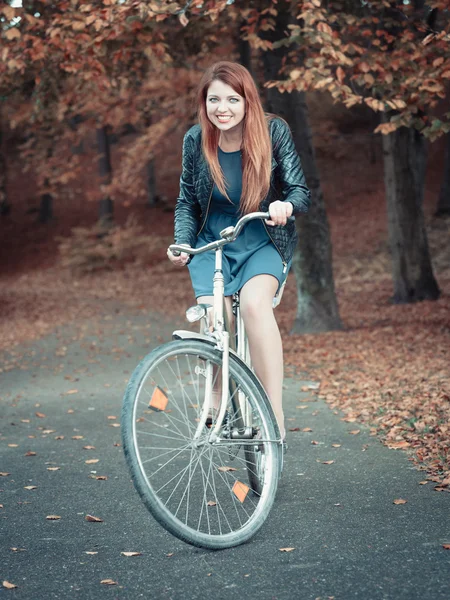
(179, 261)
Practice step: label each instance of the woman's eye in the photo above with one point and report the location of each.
(234, 100)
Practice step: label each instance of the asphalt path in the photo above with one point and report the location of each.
(349, 539)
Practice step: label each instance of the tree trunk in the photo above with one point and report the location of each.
(317, 308)
(152, 196)
(245, 52)
(46, 208)
(404, 175)
(443, 205)
(46, 204)
(106, 207)
(5, 208)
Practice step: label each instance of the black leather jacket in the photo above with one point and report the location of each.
(196, 185)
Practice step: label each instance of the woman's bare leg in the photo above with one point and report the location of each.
(264, 339)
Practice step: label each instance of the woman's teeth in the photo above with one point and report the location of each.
(223, 119)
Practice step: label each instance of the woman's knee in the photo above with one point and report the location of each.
(254, 307)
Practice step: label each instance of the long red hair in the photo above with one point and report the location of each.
(256, 143)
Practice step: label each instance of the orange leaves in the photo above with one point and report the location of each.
(397, 445)
(8, 585)
(53, 517)
(13, 33)
(93, 519)
(400, 501)
(9, 12)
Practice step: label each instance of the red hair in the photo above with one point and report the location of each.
(256, 144)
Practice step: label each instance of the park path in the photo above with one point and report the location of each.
(350, 540)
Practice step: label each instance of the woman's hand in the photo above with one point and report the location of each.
(179, 261)
(279, 212)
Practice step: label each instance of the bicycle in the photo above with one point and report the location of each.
(199, 435)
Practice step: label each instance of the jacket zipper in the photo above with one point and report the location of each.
(279, 251)
(207, 210)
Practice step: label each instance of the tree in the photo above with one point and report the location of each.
(443, 205)
(381, 54)
(317, 308)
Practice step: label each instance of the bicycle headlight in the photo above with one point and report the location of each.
(195, 313)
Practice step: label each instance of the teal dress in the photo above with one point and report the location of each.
(251, 254)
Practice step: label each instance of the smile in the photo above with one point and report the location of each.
(224, 118)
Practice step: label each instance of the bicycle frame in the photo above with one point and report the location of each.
(219, 333)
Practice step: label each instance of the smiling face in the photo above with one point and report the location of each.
(225, 108)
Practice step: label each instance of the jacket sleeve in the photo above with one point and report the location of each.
(187, 209)
(290, 170)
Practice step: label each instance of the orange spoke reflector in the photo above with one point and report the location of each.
(159, 400)
(240, 490)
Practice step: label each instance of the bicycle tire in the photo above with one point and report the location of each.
(146, 483)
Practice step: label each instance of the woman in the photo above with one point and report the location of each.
(235, 161)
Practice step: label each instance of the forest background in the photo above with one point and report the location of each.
(95, 97)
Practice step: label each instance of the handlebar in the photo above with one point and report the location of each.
(229, 234)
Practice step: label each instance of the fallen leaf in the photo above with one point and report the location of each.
(355, 431)
(89, 552)
(93, 519)
(225, 469)
(302, 406)
(131, 553)
(117, 424)
(92, 461)
(77, 437)
(30, 487)
(53, 468)
(211, 503)
(423, 482)
(71, 392)
(40, 415)
(30, 453)
(170, 554)
(336, 445)
(446, 546)
(59, 437)
(286, 549)
(327, 462)
(3, 474)
(306, 429)
(314, 443)
(52, 517)
(101, 477)
(8, 585)
(400, 501)
(88, 447)
(395, 445)
(13, 445)
(18, 549)
(108, 582)
(112, 417)
(294, 428)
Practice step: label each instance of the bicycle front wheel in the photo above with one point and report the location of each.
(194, 487)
